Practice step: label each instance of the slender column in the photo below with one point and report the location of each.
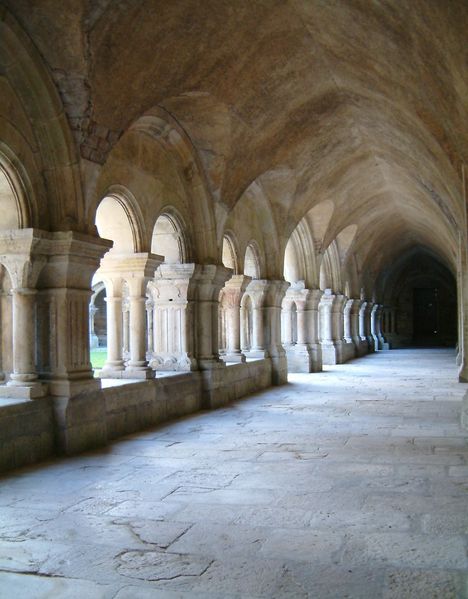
(137, 313)
(24, 367)
(114, 364)
(149, 326)
(125, 329)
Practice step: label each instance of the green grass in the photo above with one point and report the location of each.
(98, 357)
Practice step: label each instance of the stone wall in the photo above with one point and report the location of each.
(31, 431)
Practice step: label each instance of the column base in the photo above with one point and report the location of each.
(331, 352)
(238, 358)
(256, 354)
(16, 390)
(348, 351)
(172, 362)
(300, 358)
(361, 346)
(138, 373)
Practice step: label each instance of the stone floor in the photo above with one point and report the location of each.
(349, 483)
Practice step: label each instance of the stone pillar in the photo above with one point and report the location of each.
(135, 270)
(173, 318)
(357, 321)
(24, 375)
(233, 292)
(306, 354)
(205, 287)
(331, 327)
(149, 328)
(382, 343)
(373, 326)
(267, 297)
(286, 322)
(368, 325)
(63, 304)
(114, 366)
(349, 348)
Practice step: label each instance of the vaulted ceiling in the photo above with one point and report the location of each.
(363, 103)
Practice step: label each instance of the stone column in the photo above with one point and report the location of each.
(382, 343)
(233, 292)
(306, 354)
(331, 326)
(349, 349)
(24, 343)
(267, 297)
(133, 270)
(205, 287)
(373, 326)
(357, 321)
(64, 295)
(149, 328)
(286, 322)
(114, 366)
(173, 318)
(368, 325)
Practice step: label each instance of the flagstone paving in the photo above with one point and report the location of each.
(351, 483)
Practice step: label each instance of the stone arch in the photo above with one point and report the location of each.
(167, 132)
(230, 254)
(252, 261)
(16, 194)
(170, 238)
(117, 220)
(330, 269)
(23, 68)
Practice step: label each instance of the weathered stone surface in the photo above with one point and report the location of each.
(190, 509)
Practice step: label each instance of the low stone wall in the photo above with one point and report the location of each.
(26, 432)
(31, 431)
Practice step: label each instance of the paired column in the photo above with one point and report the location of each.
(331, 327)
(306, 354)
(267, 297)
(23, 255)
(135, 270)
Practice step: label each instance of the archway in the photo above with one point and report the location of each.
(114, 221)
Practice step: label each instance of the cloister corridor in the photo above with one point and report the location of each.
(343, 484)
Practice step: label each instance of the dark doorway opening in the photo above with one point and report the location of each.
(434, 317)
